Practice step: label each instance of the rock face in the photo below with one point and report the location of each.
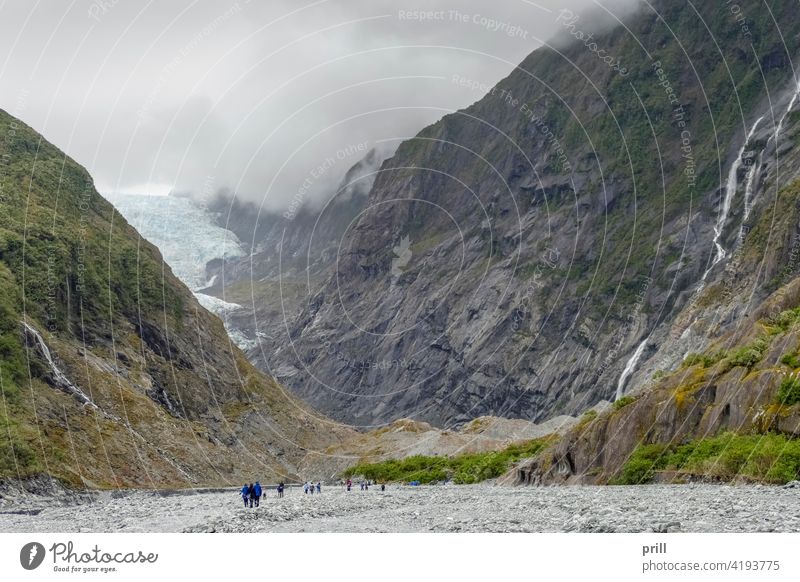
(112, 374)
(733, 386)
(512, 258)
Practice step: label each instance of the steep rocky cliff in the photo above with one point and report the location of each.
(737, 345)
(732, 412)
(549, 246)
(111, 373)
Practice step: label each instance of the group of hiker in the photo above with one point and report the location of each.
(365, 485)
(251, 494)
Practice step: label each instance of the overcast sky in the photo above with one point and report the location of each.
(250, 96)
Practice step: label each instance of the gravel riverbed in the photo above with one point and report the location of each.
(446, 508)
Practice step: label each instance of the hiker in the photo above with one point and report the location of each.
(383, 486)
(245, 493)
(251, 494)
(257, 491)
(349, 484)
(311, 487)
(305, 487)
(280, 489)
(319, 487)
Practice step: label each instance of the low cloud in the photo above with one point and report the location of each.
(252, 97)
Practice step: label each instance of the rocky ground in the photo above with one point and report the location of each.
(448, 508)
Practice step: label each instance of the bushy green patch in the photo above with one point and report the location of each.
(623, 402)
(772, 458)
(466, 468)
(748, 356)
(705, 360)
(791, 360)
(789, 391)
(642, 465)
(783, 322)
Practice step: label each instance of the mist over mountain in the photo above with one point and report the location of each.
(531, 254)
(249, 96)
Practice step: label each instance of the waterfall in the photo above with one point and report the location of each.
(59, 377)
(64, 384)
(778, 129)
(730, 192)
(630, 366)
(748, 191)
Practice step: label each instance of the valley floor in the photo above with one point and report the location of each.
(449, 508)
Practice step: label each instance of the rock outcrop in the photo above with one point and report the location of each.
(734, 386)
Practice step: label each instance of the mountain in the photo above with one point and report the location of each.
(730, 407)
(112, 374)
(559, 241)
(288, 250)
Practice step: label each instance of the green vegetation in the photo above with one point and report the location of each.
(791, 360)
(587, 417)
(81, 260)
(772, 458)
(789, 391)
(73, 268)
(642, 465)
(705, 360)
(463, 469)
(749, 355)
(623, 402)
(783, 322)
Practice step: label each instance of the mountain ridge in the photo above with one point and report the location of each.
(532, 189)
(112, 374)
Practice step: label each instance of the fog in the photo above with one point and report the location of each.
(253, 97)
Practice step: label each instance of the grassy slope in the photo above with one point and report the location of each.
(123, 328)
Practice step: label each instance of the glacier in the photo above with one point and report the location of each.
(182, 230)
(188, 239)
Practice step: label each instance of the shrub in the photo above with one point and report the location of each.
(789, 391)
(642, 464)
(587, 417)
(749, 355)
(465, 468)
(706, 361)
(784, 321)
(773, 458)
(623, 402)
(791, 360)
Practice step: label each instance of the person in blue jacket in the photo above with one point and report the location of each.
(257, 491)
(245, 493)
